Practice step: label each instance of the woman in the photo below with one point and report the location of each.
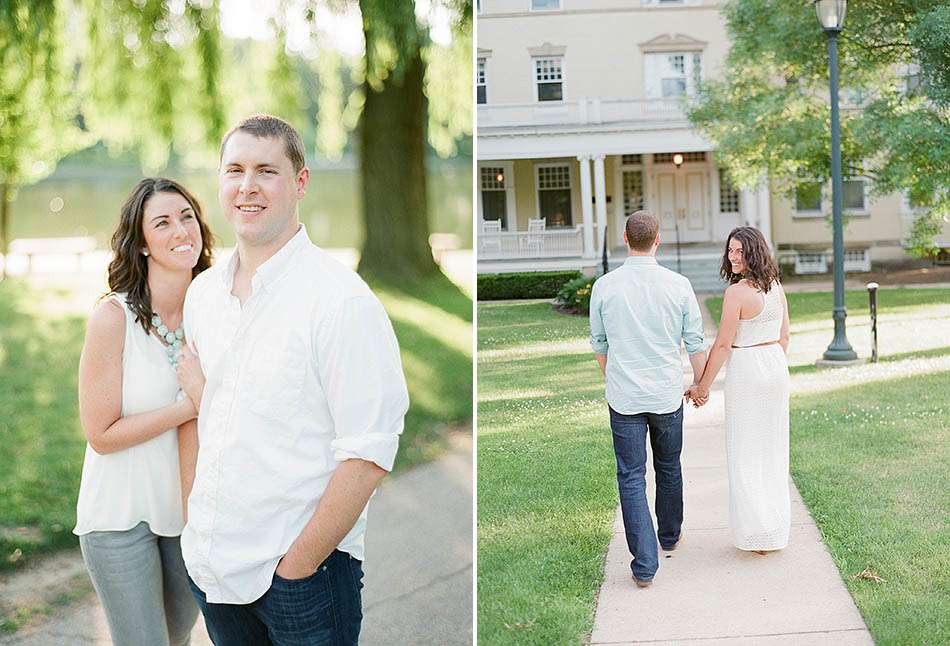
(753, 335)
(129, 514)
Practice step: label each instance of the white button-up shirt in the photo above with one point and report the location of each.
(640, 315)
(305, 375)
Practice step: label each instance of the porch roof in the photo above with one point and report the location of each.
(540, 143)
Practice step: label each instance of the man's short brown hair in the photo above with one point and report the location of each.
(642, 229)
(265, 126)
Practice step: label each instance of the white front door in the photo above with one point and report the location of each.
(682, 203)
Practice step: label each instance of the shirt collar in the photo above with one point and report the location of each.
(272, 268)
(640, 261)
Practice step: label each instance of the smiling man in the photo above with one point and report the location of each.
(299, 417)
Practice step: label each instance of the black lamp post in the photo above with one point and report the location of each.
(831, 16)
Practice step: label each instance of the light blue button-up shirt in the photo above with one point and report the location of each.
(640, 313)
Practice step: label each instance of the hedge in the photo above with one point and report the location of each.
(574, 295)
(525, 284)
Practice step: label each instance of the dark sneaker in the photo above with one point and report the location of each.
(673, 546)
(643, 583)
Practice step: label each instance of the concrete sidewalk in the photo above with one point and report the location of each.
(418, 569)
(709, 592)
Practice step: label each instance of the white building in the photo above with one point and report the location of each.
(581, 121)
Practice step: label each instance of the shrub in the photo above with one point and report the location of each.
(526, 284)
(574, 295)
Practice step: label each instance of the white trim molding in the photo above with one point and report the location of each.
(672, 43)
(587, 210)
(547, 50)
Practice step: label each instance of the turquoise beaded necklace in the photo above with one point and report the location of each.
(172, 339)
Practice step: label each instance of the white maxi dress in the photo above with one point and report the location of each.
(756, 403)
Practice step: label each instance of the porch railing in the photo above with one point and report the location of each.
(581, 112)
(552, 243)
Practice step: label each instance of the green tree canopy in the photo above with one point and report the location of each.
(38, 114)
(769, 113)
(150, 76)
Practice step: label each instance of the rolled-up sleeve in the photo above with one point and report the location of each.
(598, 333)
(693, 337)
(359, 365)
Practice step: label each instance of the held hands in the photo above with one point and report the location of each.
(190, 377)
(698, 394)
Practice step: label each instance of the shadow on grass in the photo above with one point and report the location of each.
(437, 290)
(809, 368)
(433, 323)
(43, 443)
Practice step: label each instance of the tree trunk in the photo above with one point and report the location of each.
(392, 166)
(4, 227)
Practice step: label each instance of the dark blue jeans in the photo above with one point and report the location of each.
(322, 609)
(666, 439)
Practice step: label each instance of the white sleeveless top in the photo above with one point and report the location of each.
(766, 325)
(121, 489)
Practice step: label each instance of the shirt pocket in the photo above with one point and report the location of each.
(277, 372)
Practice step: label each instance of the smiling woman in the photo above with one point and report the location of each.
(155, 209)
(129, 510)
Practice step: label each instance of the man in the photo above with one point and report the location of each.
(299, 418)
(640, 313)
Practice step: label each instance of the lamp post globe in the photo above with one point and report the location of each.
(831, 13)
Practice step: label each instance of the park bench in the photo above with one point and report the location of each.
(29, 247)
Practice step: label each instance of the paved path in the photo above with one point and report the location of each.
(709, 592)
(828, 286)
(418, 571)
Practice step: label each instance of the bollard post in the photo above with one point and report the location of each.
(872, 297)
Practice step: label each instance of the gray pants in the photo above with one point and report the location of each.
(142, 584)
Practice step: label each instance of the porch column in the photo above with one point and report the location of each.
(600, 193)
(764, 203)
(587, 211)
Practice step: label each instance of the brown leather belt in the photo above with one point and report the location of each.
(757, 345)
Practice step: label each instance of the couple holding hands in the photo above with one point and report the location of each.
(640, 316)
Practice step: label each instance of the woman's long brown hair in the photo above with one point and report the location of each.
(128, 270)
(760, 267)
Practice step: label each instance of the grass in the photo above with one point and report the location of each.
(434, 328)
(816, 306)
(870, 460)
(872, 464)
(546, 492)
(43, 445)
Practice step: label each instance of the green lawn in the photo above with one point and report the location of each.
(871, 461)
(816, 306)
(546, 489)
(43, 445)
